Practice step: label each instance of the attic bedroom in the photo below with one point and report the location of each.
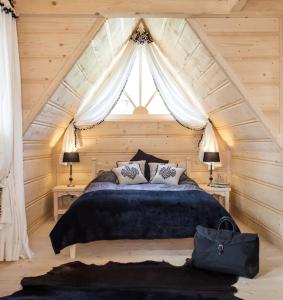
(141, 149)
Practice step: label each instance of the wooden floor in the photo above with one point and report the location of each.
(268, 284)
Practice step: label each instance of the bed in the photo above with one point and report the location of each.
(110, 211)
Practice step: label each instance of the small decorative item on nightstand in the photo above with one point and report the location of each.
(70, 158)
(211, 157)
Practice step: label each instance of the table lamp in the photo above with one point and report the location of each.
(70, 158)
(211, 157)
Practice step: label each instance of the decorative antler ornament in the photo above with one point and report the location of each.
(141, 36)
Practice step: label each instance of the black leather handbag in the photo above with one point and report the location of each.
(226, 251)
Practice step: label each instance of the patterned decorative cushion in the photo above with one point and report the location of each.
(141, 155)
(167, 174)
(141, 163)
(153, 168)
(129, 174)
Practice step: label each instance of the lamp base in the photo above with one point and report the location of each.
(210, 177)
(70, 185)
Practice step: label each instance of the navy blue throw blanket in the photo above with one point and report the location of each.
(135, 214)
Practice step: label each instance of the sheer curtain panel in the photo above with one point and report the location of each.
(13, 226)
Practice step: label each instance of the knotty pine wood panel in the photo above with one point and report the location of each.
(37, 167)
(35, 149)
(34, 189)
(125, 7)
(232, 115)
(39, 211)
(267, 71)
(263, 145)
(257, 191)
(254, 45)
(251, 47)
(113, 141)
(245, 131)
(39, 69)
(31, 91)
(49, 24)
(261, 170)
(266, 194)
(264, 216)
(46, 44)
(38, 181)
(236, 25)
(50, 45)
(215, 81)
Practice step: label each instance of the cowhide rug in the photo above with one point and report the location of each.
(132, 281)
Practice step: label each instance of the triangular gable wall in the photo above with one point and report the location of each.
(215, 88)
(50, 123)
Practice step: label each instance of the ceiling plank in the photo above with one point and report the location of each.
(124, 7)
(37, 107)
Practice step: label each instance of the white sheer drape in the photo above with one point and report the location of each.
(178, 102)
(101, 100)
(13, 228)
(174, 96)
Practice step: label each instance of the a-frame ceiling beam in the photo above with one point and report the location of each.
(37, 107)
(127, 7)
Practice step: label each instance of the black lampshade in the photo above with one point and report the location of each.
(71, 157)
(211, 157)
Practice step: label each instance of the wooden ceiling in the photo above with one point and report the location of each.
(203, 72)
(180, 8)
(54, 34)
(129, 7)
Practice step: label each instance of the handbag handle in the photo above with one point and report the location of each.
(226, 219)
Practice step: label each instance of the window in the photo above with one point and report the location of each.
(140, 94)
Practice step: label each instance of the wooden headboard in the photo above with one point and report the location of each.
(184, 164)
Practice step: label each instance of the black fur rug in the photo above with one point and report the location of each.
(132, 281)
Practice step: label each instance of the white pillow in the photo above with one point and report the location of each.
(153, 168)
(167, 174)
(129, 174)
(141, 163)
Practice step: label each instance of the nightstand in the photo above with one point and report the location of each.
(221, 191)
(63, 190)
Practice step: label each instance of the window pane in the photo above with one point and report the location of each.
(156, 106)
(132, 86)
(148, 86)
(123, 107)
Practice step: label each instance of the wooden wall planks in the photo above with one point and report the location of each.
(114, 141)
(257, 191)
(38, 181)
(46, 44)
(257, 182)
(252, 48)
(209, 79)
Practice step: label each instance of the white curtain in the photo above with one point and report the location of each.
(178, 101)
(13, 227)
(103, 97)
